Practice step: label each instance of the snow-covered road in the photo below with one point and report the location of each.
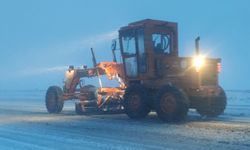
(25, 124)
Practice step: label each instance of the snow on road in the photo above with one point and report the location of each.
(25, 124)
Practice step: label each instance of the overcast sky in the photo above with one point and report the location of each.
(40, 38)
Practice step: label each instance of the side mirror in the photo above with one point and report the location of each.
(113, 46)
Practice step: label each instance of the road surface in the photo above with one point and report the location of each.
(25, 124)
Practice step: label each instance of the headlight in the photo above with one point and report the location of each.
(71, 68)
(198, 62)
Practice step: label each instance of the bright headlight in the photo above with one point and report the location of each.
(198, 62)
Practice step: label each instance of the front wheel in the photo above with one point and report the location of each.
(54, 99)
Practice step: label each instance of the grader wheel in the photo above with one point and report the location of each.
(54, 99)
(215, 106)
(171, 104)
(135, 102)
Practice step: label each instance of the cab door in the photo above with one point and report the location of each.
(133, 53)
(129, 54)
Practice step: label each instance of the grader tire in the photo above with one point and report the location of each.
(54, 99)
(171, 104)
(216, 106)
(136, 102)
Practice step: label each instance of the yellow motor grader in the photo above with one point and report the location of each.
(151, 76)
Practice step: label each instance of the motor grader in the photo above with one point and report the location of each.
(151, 76)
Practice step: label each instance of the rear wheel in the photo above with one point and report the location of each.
(215, 105)
(54, 99)
(171, 104)
(136, 102)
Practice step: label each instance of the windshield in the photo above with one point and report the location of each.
(128, 42)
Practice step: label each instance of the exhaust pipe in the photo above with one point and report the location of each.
(197, 46)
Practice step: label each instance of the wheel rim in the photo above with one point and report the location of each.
(168, 103)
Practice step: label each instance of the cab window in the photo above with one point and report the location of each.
(161, 43)
(129, 44)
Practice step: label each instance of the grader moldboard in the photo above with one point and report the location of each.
(151, 76)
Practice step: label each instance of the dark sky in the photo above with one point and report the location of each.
(39, 39)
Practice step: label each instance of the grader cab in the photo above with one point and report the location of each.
(151, 77)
